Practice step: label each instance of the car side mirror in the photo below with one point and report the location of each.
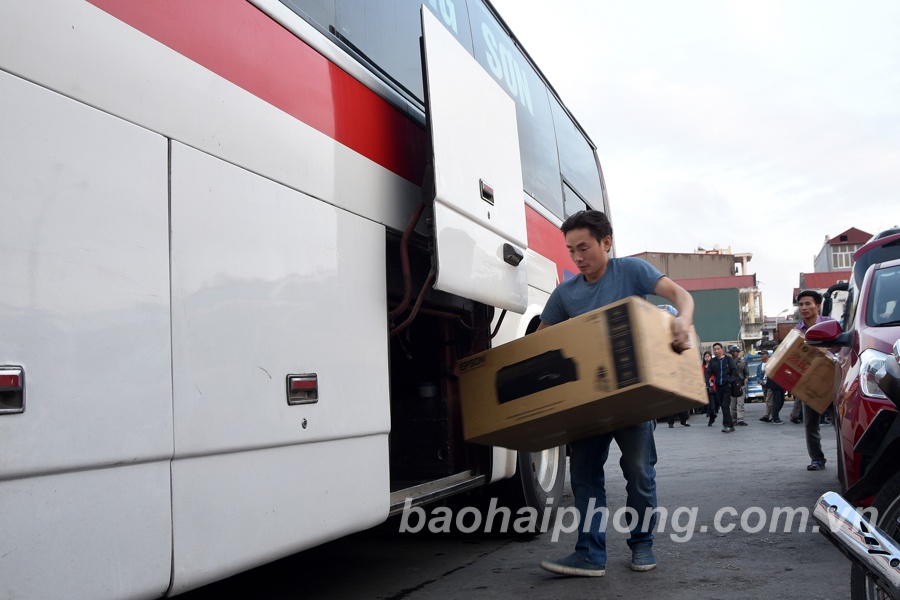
(827, 333)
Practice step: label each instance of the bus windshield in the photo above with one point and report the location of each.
(753, 362)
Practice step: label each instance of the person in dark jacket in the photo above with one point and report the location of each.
(723, 371)
(777, 393)
(743, 376)
(710, 408)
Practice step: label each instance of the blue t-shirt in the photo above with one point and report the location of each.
(624, 277)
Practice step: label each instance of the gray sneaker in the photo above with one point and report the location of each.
(574, 565)
(642, 558)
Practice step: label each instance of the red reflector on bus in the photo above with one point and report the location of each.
(9, 381)
(303, 384)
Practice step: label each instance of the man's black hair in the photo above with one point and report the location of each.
(594, 221)
(816, 296)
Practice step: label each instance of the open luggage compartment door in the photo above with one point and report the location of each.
(479, 205)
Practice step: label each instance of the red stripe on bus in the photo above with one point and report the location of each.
(546, 239)
(237, 41)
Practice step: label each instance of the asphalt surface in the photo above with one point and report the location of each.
(701, 472)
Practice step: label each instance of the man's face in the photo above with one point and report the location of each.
(764, 357)
(735, 355)
(718, 351)
(808, 308)
(589, 255)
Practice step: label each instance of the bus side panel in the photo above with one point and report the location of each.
(76, 49)
(89, 535)
(237, 511)
(84, 311)
(267, 283)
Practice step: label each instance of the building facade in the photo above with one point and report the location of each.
(837, 252)
(728, 304)
(832, 265)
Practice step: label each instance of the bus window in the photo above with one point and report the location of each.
(578, 165)
(574, 203)
(495, 51)
(318, 12)
(386, 32)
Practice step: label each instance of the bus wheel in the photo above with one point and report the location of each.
(539, 481)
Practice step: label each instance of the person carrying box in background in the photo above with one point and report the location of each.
(601, 281)
(810, 302)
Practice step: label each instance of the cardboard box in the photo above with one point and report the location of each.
(607, 369)
(809, 373)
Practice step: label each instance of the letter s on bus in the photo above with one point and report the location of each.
(493, 58)
(505, 69)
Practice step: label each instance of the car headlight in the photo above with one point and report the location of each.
(871, 369)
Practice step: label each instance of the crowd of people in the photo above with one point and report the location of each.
(727, 376)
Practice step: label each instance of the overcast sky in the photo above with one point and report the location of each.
(763, 126)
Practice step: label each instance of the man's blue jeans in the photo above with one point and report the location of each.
(638, 464)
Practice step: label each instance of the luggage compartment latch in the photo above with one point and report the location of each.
(302, 389)
(12, 389)
(487, 192)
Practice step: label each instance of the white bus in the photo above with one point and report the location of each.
(242, 245)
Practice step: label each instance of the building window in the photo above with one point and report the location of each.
(842, 256)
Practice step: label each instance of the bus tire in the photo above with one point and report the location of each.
(539, 481)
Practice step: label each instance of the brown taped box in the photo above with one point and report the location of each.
(806, 372)
(601, 371)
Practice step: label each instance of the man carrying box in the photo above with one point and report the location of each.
(810, 302)
(601, 281)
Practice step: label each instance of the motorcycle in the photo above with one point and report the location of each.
(872, 545)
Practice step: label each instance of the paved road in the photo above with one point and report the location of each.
(753, 471)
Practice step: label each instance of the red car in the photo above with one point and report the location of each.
(864, 337)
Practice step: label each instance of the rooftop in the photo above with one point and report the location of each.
(851, 236)
(717, 283)
(824, 279)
